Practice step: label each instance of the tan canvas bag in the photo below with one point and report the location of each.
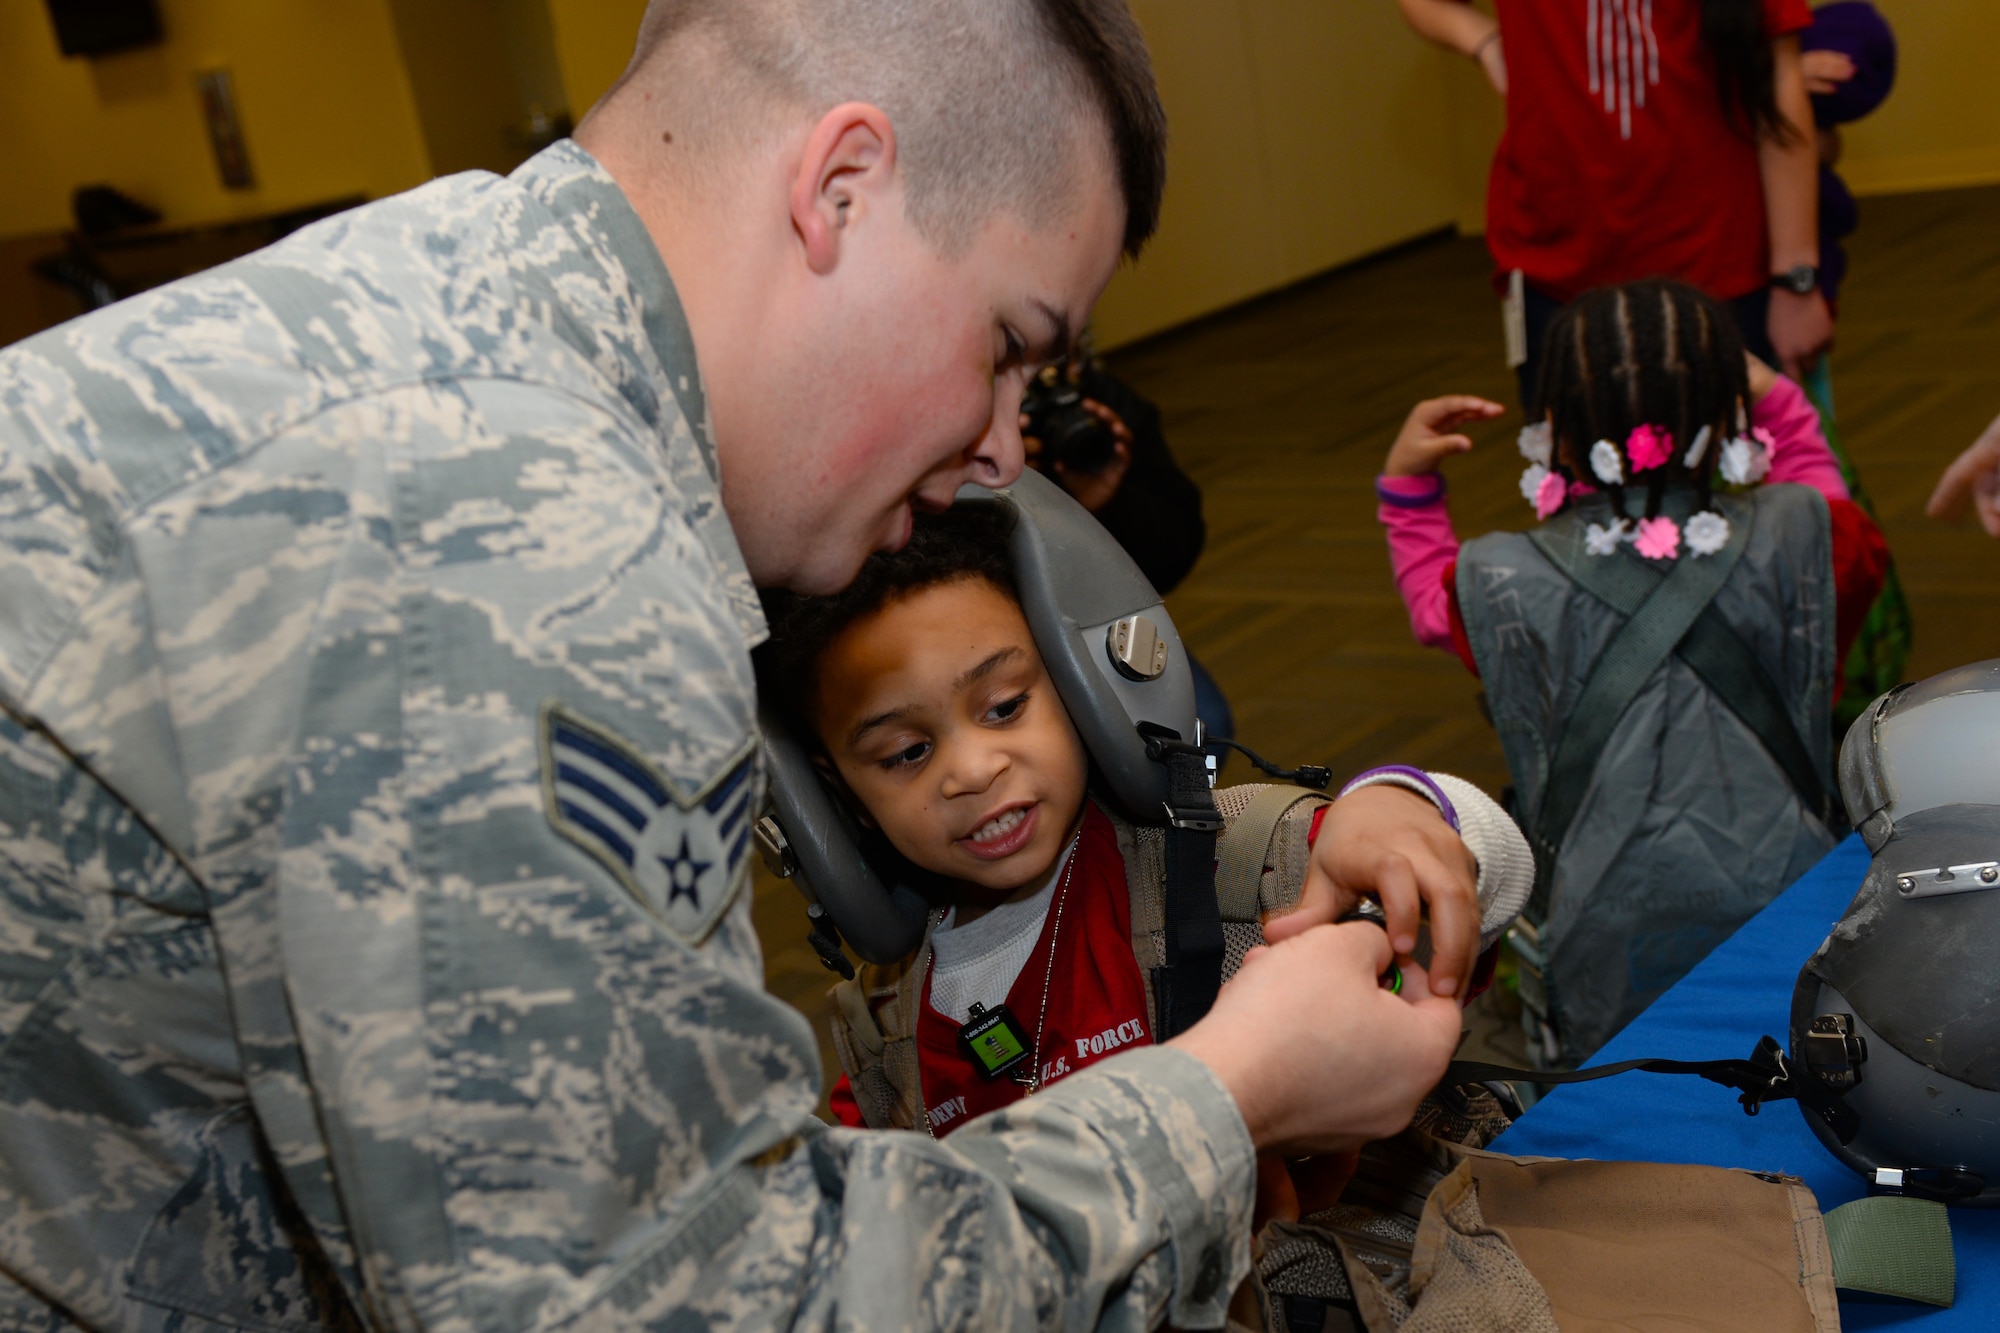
(1536, 1244)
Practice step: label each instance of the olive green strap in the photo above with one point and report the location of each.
(1240, 856)
(1893, 1245)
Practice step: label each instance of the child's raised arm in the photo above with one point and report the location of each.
(1413, 512)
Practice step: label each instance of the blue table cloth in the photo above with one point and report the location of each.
(1737, 994)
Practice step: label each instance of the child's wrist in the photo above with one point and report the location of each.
(1413, 780)
(1410, 491)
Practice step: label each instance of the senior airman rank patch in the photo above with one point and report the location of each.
(681, 856)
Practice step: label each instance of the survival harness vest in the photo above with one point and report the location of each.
(1261, 862)
(1668, 733)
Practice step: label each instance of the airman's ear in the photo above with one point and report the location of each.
(824, 766)
(848, 170)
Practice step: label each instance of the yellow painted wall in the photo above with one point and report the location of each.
(320, 86)
(1941, 125)
(1304, 134)
(593, 45)
(457, 60)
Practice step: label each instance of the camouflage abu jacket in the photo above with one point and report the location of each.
(376, 759)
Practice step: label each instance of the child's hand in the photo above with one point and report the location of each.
(1393, 844)
(1427, 438)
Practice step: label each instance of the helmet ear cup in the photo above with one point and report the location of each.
(1935, 1134)
(873, 902)
(1078, 588)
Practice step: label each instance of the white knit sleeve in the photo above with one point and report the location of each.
(1506, 866)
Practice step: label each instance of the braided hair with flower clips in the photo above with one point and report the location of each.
(1657, 355)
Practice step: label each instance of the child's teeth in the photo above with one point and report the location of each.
(995, 828)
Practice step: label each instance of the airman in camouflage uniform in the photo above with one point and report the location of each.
(375, 768)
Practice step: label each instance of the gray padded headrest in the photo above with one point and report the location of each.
(1077, 586)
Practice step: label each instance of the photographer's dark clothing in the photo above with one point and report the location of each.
(1156, 513)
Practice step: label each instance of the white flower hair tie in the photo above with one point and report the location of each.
(1531, 481)
(1706, 533)
(1600, 540)
(1745, 461)
(1699, 449)
(1607, 463)
(1536, 443)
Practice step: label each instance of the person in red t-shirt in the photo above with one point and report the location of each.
(936, 717)
(1652, 138)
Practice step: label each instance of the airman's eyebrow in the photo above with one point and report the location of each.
(1056, 349)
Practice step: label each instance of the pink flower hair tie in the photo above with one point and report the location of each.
(1659, 539)
(1551, 495)
(1648, 447)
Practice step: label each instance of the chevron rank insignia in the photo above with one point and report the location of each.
(681, 856)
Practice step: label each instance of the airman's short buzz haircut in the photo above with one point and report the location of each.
(993, 101)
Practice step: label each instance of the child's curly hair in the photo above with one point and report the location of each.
(1655, 353)
(963, 542)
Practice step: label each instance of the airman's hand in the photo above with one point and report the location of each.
(1319, 1057)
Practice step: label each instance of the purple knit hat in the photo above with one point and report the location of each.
(1858, 31)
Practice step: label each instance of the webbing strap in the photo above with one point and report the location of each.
(1716, 653)
(1893, 1246)
(1653, 629)
(1185, 986)
(1239, 860)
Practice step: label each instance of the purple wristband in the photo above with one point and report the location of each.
(1444, 804)
(1423, 491)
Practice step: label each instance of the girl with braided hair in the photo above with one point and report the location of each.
(1659, 655)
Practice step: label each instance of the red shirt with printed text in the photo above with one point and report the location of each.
(1096, 997)
(1618, 162)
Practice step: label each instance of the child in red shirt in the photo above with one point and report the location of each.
(937, 720)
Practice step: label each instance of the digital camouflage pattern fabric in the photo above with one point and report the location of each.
(378, 734)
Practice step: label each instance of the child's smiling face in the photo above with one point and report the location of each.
(941, 719)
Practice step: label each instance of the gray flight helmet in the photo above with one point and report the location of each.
(1115, 658)
(1898, 1013)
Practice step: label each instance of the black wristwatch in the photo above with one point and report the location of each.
(1800, 279)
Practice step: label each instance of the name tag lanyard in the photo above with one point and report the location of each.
(992, 1038)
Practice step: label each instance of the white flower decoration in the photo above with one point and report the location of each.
(1607, 463)
(1706, 533)
(1699, 449)
(1536, 444)
(1600, 540)
(1744, 462)
(1531, 481)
